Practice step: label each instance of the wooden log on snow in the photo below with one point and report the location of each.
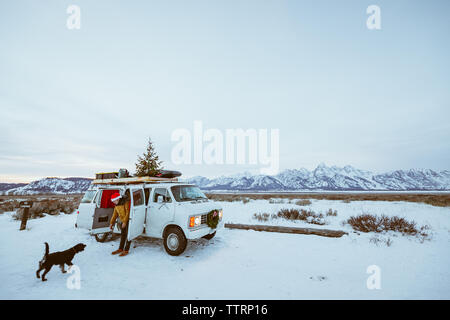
(258, 227)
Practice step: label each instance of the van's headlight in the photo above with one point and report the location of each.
(220, 214)
(195, 221)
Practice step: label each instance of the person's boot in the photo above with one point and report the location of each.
(117, 251)
(124, 253)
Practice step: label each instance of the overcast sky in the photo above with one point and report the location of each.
(76, 102)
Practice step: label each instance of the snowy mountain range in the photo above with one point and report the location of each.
(8, 186)
(331, 178)
(323, 177)
(50, 185)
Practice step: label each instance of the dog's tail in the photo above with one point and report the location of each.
(46, 250)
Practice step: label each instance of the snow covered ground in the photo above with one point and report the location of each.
(437, 217)
(238, 264)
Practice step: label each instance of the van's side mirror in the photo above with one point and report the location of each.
(159, 199)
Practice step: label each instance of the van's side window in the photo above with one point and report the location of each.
(98, 198)
(161, 192)
(147, 192)
(88, 196)
(138, 197)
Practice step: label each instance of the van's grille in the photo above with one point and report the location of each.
(203, 221)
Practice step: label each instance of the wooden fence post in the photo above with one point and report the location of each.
(26, 205)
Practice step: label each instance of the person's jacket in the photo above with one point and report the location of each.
(122, 211)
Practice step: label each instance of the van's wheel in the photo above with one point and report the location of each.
(102, 237)
(174, 241)
(209, 236)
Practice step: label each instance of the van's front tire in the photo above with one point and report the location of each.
(174, 241)
(102, 237)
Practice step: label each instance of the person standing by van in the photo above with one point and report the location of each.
(121, 210)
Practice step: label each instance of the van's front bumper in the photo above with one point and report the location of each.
(203, 231)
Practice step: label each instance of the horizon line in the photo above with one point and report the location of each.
(29, 179)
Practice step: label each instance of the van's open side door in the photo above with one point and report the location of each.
(137, 213)
(102, 217)
(103, 211)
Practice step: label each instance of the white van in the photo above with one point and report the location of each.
(174, 212)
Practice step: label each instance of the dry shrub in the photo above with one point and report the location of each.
(331, 213)
(52, 207)
(308, 216)
(261, 216)
(304, 202)
(371, 223)
(276, 201)
(376, 240)
(4, 207)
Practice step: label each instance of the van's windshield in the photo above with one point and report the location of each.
(187, 193)
(88, 196)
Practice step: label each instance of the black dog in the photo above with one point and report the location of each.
(60, 257)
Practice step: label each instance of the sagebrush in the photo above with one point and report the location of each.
(383, 223)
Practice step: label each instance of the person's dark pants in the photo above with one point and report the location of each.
(123, 239)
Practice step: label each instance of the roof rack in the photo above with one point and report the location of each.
(134, 180)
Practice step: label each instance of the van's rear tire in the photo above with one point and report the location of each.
(175, 241)
(102, 237)
(209, 236)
